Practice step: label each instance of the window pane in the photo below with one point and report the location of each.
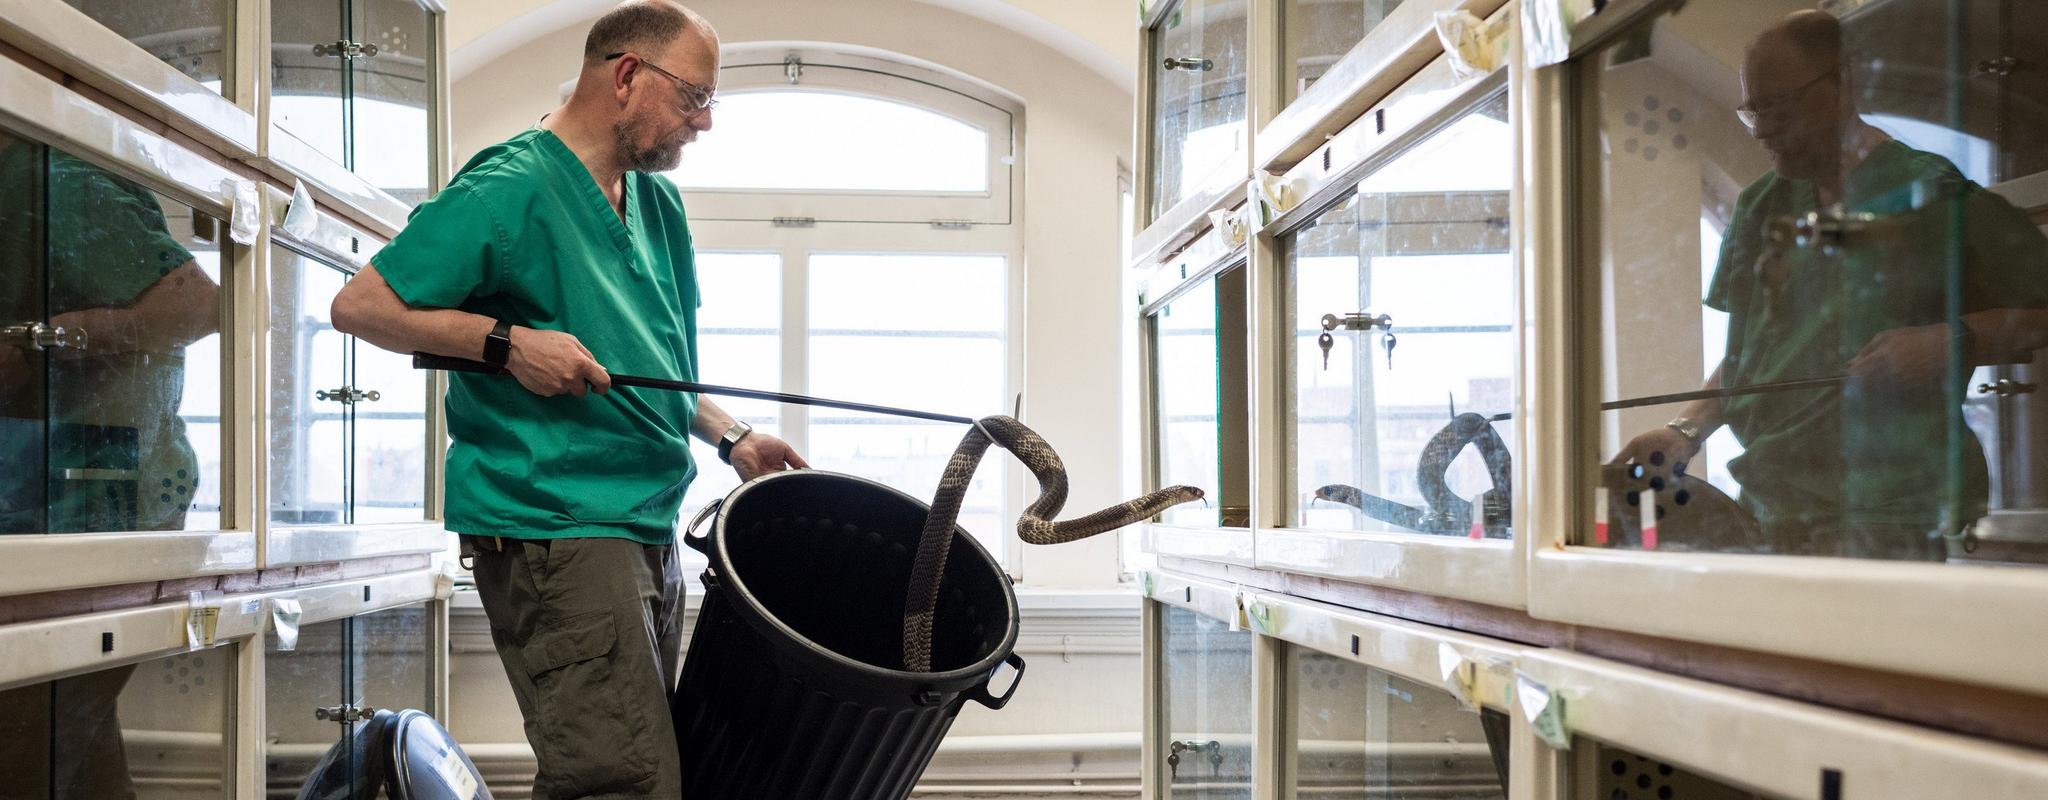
(915, 331)
(96, 434)
(189, 35)
(1365, 733)
(1199, 99)
(772, 140)
(308, 435)
(739, 343)
(155, 730)
(315, 675)
(1319, 32)
(1208, 708)
(1800, 270)
(1385, 410)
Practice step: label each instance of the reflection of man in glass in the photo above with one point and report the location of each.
(1861, 468)
(117, 456)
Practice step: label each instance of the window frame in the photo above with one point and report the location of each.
(764, 69)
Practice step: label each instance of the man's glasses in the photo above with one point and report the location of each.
(1762, 106)
(695, 98)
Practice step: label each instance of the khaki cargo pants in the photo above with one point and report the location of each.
(590, 631)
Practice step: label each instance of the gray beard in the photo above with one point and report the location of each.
(659, 159)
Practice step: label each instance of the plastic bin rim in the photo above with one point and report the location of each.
(721, 563)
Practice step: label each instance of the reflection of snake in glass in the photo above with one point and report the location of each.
(1447, 513)
(117, 454)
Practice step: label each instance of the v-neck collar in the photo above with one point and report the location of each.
(620, 228)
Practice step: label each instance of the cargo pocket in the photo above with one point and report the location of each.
(586, 740)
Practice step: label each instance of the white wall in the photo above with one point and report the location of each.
(1077, 126)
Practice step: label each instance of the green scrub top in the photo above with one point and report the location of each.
(107, 242)
(525, 235)
(1862, 458)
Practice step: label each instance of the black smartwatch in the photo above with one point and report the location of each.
(498, 345)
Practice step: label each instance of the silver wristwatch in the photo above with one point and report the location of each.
(733, 435)
(1687, 428)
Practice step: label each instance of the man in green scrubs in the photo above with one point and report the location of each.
(1878, 467)
(566, 241)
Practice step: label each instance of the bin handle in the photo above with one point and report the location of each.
(980, 694)
(701, 544)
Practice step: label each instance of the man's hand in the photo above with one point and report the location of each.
(1659, 451)
(549, 363)
(759, 454)
(1914, 357)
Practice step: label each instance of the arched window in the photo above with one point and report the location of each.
(853, 222)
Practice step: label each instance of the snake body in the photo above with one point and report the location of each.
(1035, 526)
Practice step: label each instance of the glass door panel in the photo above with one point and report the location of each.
(94, 355)
(1806, 294)
(157, 730)
(193, 36)
(388, 428)
(1198, 89)
(390, 93)
(1317, 33)
(1188, 401)
(1607, 772)
(1364, 733)
(298, 686)
(1209, 720)
(309, 436)
(308, 76)
(1403, 350)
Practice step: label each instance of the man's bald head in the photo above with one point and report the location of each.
(643, 25)
(1807, 42)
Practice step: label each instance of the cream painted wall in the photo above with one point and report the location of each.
(1077, 128)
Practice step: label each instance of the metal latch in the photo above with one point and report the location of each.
(344, 713)
(2005, 387)
(44, 337)
(1356, 321)
(1212, 747)
(348, 395)
(346, 49)
(2000, 66)
(794, 222)
(1190, 64)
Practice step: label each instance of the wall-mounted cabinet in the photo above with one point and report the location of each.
(353, 79)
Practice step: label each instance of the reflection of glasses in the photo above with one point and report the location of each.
(695, 98)
(1750, 111)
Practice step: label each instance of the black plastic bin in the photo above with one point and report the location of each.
(793, 686)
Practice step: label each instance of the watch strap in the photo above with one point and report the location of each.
(498, 344)
(733, 435)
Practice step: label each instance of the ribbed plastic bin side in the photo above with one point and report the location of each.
(792, 688)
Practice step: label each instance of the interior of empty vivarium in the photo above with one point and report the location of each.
(1350, 399)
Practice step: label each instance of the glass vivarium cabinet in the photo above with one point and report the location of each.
(1317, 33)
(1818, 306)
(155, 730)
(193, 36)
(319, 695)
(1208, 707)
(1360, 732)
(1402, 353)
(1198, 98)
(348, 431)
(1196, 341)
(110, 312)
(352, 78)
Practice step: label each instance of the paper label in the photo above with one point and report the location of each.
(245, 217)
(301, 218)
(284, 618)
(456, 774)
(1262, 617)
(252, 606)
(202, 618)
(1460, 675)
(1545, 711)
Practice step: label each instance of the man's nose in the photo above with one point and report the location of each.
(702, 120)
